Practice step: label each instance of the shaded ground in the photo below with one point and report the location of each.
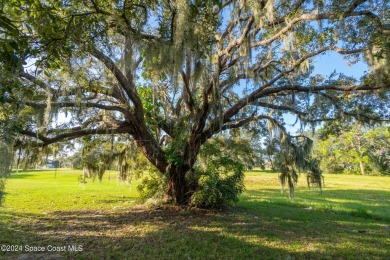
(136, 232)
(166, 233)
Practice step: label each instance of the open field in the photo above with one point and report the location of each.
(53, 211)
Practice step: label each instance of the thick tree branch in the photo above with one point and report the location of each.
(279, 107)
(226, 53)
(324, 16)
(266, 89)
(74, 134)
(187, 95)
(36, 81)
(84, 125)
(359, 115)
(72, 104)
(128, 86)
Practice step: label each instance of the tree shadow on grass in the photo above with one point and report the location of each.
(340, 233)
(368, 203)
(262, 171)
(177, 233)
(35, 170)
(29, 173)
(20, 175)
(116, 200)
(167, 233)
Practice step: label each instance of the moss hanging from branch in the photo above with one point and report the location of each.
(292, 157)
(378, 58)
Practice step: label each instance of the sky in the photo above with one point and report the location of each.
(331, 61)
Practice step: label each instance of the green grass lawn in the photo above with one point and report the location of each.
(351, 220)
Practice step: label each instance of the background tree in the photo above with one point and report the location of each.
(355, 148)
(379, 149)
(173, 74)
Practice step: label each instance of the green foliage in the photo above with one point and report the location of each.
(355, 149)
(379, 149)
(13, 44)
(153, 186)
(241, 146)
(219, 185)
(94, 158)
(6, 152)
(217, 179)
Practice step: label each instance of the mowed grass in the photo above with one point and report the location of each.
(350, 220)
(48, 191)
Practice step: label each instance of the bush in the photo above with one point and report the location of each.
(152, 186)
(219, 184)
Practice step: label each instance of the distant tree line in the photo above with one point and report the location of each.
(354, 149)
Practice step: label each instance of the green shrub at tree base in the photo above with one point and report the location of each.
(153, 186)
(219, 185)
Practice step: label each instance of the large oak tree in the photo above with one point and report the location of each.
(172, 74)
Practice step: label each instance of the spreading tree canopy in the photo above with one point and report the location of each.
(173, 74)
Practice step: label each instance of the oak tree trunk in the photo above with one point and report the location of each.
(178, 188)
